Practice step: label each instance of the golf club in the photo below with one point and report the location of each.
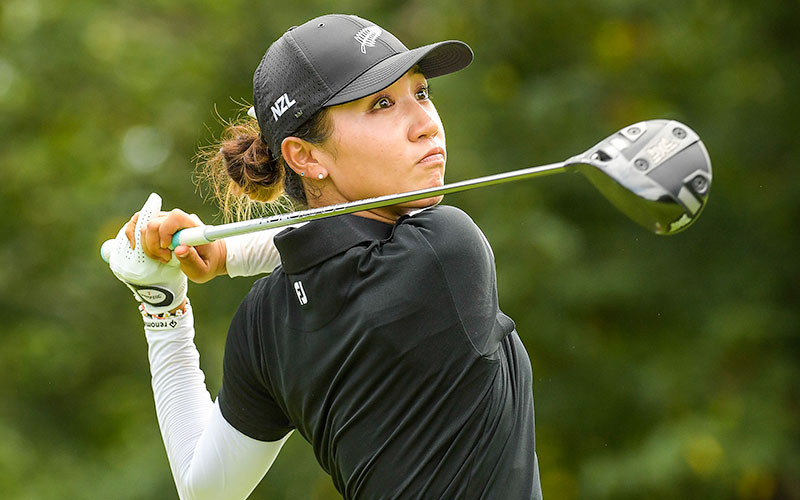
(657, 172)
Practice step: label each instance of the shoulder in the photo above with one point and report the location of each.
(245, 337)
(443, 219)
(459, 263)
(257, 293)
(449, 232)
(251, 307)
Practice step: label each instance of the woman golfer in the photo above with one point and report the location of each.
(378, 336)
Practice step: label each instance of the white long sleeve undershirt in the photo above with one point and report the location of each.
(209, 458)
(253, 253)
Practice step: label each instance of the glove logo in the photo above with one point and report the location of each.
(154, 295)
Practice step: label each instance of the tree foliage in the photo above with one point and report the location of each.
(664, 367)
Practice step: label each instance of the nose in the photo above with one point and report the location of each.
(425, 121)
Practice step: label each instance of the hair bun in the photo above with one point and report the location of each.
(251, 166)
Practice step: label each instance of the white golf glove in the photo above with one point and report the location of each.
(159, 287)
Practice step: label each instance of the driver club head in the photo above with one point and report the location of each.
(657, 172)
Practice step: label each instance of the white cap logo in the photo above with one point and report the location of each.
(281, 106)
(367, 37)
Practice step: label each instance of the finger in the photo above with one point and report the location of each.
(174, 221)
(151, 243)
(130, 230)
(149, 211)
(192, 264)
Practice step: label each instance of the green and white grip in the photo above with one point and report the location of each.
(191, 236)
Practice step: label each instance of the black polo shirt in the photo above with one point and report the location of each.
(384, 346)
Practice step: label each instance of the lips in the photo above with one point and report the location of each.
(434, 155)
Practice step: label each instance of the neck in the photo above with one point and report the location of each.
(389, 217)
(389, 214)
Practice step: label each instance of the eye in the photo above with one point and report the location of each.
(424, 93)
(382, 103)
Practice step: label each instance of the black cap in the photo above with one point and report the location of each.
(335, 59)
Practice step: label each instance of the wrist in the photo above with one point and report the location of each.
(173, 313)
(222, 265)
(181, 309)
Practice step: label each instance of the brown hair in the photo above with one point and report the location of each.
(245, 177)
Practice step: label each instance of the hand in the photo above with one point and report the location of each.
(200, 264)
(161, 287)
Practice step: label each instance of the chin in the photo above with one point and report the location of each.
(432, 177)
(424, 203)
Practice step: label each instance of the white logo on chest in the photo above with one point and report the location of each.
(367, 37)
(301, 293)
(281, 106)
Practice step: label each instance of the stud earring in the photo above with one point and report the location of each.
(320, 176)
(302, 174)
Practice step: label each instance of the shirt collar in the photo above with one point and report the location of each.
(306, 246)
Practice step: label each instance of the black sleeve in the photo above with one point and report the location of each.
(468, 267)
(245, 396)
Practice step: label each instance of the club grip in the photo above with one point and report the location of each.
(192, 236)
(105, 249)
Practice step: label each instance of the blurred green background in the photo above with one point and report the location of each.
(665, 367)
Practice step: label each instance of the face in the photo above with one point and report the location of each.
(389, 142)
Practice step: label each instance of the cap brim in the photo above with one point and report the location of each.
(436, 59)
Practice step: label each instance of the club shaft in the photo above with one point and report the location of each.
(205, 234)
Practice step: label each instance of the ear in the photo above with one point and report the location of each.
(301, 156)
